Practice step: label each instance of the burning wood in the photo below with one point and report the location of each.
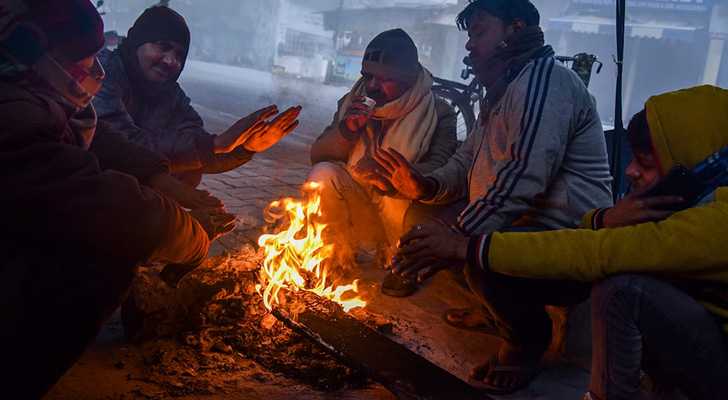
(297, 258)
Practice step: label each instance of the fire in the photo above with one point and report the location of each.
(296, 257)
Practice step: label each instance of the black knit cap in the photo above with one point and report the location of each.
(392, 54)
(156, 24)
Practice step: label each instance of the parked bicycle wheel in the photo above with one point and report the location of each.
(463, 109)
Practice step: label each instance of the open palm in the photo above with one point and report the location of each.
(401, 173)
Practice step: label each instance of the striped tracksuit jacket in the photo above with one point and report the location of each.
(538, 157)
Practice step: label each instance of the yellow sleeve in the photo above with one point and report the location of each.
(692, 243)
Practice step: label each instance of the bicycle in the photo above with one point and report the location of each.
(465, 99)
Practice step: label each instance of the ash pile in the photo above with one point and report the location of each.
(214, 323)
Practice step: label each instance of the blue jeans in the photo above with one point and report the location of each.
(642, 323)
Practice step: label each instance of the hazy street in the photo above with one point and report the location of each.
(222, 94)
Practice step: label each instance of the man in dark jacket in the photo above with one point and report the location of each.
(141, 99)
(73, 233)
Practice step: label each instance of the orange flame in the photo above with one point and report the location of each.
(295, 258)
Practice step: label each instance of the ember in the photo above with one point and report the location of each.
(296, 258)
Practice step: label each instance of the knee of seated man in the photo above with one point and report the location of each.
(627, 286)
(327, 173)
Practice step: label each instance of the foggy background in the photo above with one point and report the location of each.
(317, 44)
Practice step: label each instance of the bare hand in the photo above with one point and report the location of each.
(635, 209)
(357, 115)
(273, 131)
(215, 221)
(401, 174)
(426, 249)
(243, 129)
(185, 195)
(369, 172)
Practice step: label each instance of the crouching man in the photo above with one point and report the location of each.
(142, 101)
(660, 299)
(357, 203)
(73, 233)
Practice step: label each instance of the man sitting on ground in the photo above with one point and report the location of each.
(357, 203)
(537, 160)
(73, 233)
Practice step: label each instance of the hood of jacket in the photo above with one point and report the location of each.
(688, 125)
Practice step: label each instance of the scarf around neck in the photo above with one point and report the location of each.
(510, 58)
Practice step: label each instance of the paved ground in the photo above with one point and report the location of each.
(281, 171)
(220, 94)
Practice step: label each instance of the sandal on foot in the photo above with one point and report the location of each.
(524, 375)
(464, 318)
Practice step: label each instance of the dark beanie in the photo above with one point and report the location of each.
(72, 26)
(392, 54)
(156, 24)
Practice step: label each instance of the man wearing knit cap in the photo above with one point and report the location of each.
(74, 230)
(392, 105)
(142, 100)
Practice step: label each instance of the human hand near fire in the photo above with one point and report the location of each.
(215, 221)
(255, 133)
(185, 195)
(243, 129)
(368, 171)
(429, 248)
(402, 175)
(274, 131)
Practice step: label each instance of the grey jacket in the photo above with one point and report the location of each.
(538, 156)
(166, 124)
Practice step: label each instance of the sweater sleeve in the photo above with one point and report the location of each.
(57, 193)
(187, 145)
(536, 135)
(689, 244)
(115, 152)
(452, 178)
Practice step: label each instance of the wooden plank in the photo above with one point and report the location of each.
(404, 372)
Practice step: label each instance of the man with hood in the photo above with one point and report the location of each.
(356, 202)
(536, 160)
(141, 100)
(74, 230)
(660, 294)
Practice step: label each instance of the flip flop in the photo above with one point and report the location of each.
(527, 373)
(487, 326)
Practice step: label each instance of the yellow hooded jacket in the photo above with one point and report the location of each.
(691, 245)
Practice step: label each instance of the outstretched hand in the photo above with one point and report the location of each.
(242, 130)
(262, 139)
(401, 174)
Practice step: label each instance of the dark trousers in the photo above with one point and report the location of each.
(518, 305)
(642, 323)
(52, 306)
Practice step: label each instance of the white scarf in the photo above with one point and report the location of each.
(414, 121)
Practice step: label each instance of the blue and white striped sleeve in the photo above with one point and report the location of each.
(538, 123)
